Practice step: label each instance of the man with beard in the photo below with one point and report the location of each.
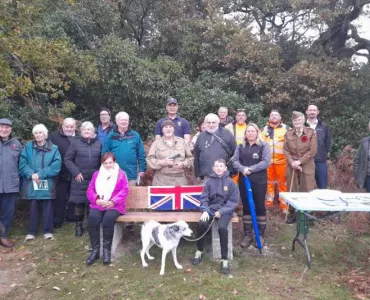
(182, 127)
(273, 133)
(105, 125)
(324, 137)
(237, 128)
(214, 143)
(62, 138)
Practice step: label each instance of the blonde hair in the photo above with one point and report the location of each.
(259, 135)
(42, 128)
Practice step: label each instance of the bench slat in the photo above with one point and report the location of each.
(165, 217)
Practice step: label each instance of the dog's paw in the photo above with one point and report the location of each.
(179, 267)
(150, 257)
(161, 273)
(145, 265)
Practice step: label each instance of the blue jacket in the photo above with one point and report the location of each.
(129, 151)
(324, 137)
(9, 156)
(46, 162)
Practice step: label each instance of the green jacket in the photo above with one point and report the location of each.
(360, 164)
(46, 162)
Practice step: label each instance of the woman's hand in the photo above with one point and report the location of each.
(109, 204)
(79, 178)
(178, 166)
(35, 177)
(168, 162)
(100, 202)
(246, 171)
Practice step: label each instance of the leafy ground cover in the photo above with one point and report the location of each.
(56, 269)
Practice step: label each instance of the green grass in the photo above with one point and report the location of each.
(280, 274)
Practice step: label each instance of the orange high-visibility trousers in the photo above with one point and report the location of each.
(276, 173)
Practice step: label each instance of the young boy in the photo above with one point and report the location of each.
(219, 198)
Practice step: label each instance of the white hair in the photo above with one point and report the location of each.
(71, 120)
(87, 124)
(122, 115)
(212, 116)
(42, 128)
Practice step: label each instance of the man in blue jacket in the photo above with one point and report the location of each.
(10, 149)
(127, 146)
(324, 137)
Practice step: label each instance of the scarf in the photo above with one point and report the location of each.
(106, 182)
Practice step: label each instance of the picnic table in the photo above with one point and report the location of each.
(304, 203)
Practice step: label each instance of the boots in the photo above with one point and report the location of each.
(94, 234)
(261, 221)
(79, 229)
(107, 244)
(248, 232)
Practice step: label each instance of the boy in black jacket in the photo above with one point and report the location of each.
(220, 197)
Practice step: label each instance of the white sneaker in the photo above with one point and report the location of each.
(48, 236)
(30, 237)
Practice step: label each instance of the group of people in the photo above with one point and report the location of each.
(98, 166)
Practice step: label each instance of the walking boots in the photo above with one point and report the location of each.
(94, 234)
(107, 244)
(248, 232)
(261, 221)
(79, 229)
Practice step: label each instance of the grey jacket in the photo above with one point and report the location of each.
(360, 164)
(9, 156)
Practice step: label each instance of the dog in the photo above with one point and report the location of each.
(165, 236)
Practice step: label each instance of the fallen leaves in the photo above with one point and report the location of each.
(56, 288)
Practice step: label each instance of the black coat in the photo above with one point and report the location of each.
(83, 157)
(63, 142)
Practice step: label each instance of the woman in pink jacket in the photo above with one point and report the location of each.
(107, 194)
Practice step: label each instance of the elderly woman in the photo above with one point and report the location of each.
(107, 194)
(300, 147)
(252, 159)
(169, 156)
(361, 166)
(82, 160)
(39, 164)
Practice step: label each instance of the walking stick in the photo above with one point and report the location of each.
(290, 190)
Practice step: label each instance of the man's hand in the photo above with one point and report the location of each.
(204, 217)
(246, 171)
(217, 215)
(79, 178)
(141, 174)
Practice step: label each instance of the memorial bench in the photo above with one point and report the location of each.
(137, 211)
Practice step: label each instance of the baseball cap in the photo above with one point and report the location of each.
(171, 101)
(5, 121)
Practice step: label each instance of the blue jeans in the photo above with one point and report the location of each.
(367, 184)
(321, 174)
(7, 208)
(47, 216)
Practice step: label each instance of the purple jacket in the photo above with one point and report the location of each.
(119, 194)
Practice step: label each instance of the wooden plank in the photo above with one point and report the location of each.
(137, 198)
(165, 217)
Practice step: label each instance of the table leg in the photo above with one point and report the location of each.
(303, 243)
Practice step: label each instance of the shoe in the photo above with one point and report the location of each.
(107, 244)
(246, 241)
(79, 231)
(93, 257)
(30, 237)
(6, 243)
(291, 220)
(225, 268)
(48, 236)
(94, 234)
(197, 258)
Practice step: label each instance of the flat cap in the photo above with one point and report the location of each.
(5, 121)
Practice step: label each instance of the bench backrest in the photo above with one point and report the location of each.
(137, 198)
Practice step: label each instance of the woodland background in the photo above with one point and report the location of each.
(68, 58)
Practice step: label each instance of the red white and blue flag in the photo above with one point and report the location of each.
(174, 197)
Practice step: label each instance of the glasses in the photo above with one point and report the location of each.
(241, 110)
(215, 122)
(104, 114)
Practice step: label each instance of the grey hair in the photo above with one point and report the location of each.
(69, 120)
(87, 124)
(122, 114)
(42, 128)
(223, 108)
(212, 116)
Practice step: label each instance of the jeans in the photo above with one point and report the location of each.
(47, 216)
(258, 192)
(321, 174)
(7, 208)
(223, 222)
(62, 190)
(106, 218)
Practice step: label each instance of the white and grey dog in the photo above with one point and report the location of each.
(165, 236)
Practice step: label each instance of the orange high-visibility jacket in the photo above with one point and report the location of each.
(274, 136)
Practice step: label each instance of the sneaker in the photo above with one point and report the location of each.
(291, 219)
(197, 258)
(225, 268)
(30, 237)
(48, 236)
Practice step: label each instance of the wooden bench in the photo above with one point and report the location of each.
(137, 211)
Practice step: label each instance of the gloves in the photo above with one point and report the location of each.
(204, 217)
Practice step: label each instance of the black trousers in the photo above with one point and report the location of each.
(106, 218)
(223, 222)
(47, 215)
(258, 191)
(62, 189)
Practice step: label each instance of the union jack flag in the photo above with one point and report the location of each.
(174, 197)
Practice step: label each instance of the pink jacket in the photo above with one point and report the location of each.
(119, 194)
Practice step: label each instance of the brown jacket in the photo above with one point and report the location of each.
(301, 148)
(157, 155)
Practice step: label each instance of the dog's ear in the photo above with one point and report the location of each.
(175, 227)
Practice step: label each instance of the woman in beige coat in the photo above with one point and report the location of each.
(169, 157)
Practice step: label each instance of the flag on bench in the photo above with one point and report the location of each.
(174, 197)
